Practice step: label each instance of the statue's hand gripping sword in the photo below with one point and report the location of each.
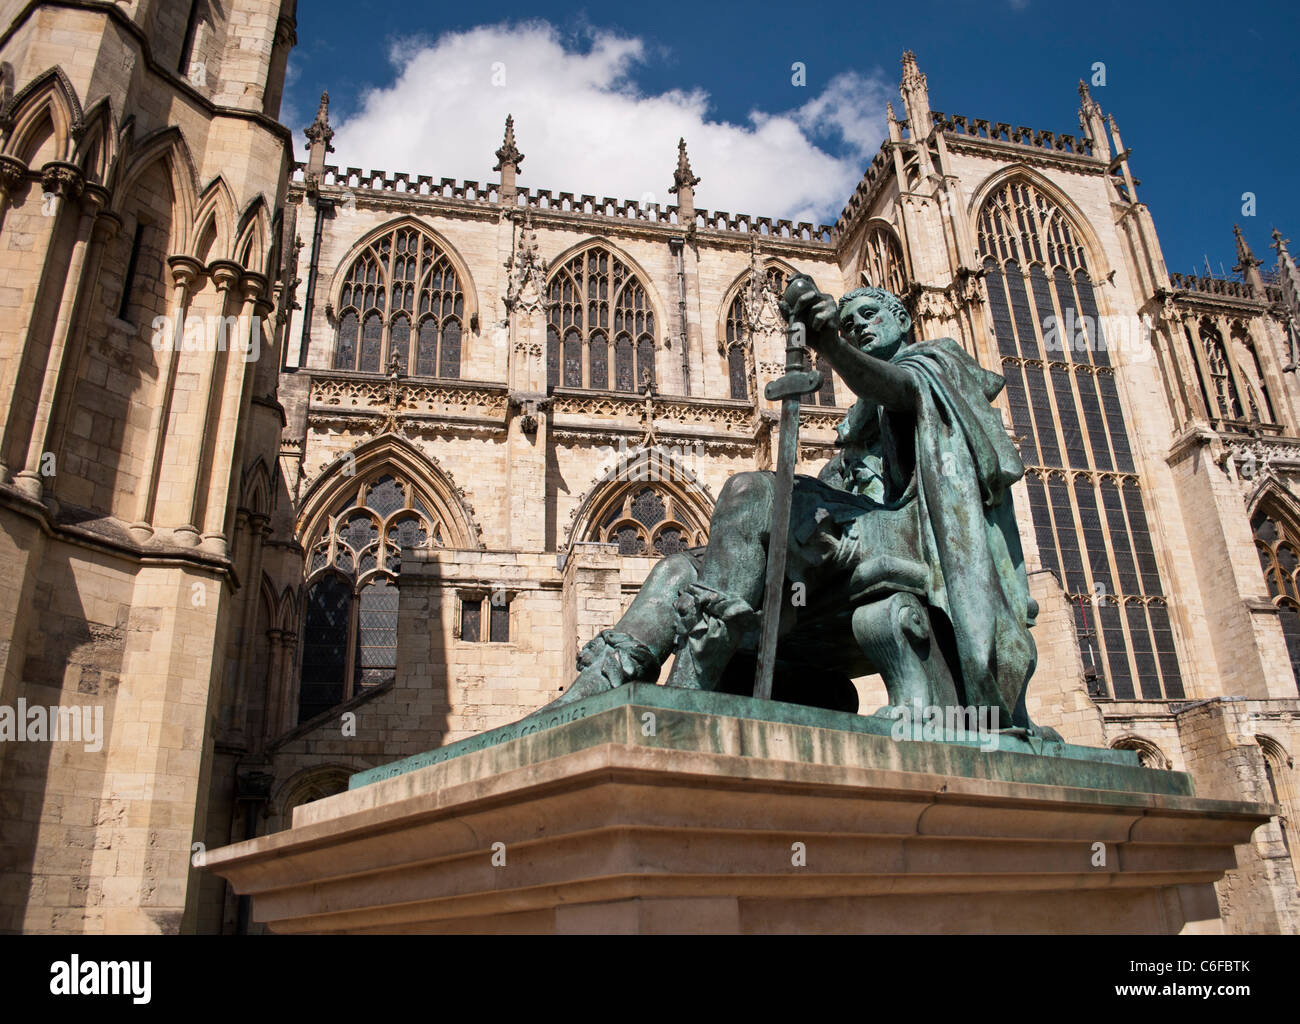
(788, 389)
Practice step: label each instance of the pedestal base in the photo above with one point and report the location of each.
(651, 810)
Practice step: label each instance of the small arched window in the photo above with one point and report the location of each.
(595, 296)
(649, 520)
(350, 629)
(401, 290)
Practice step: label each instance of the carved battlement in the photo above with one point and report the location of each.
(1000, 131)
(1217, 286)
(860, 201)
(547, 201)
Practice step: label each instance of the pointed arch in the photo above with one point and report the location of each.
(1095, 255)
(1149, 754)
(402, 291)
(314, 783)
(252, 233)
(48, 103)
(884, 263)
(1040, 260)
(95, 150)
(749, 307)
(445, 248)
(446, 501)
(287, 616)
(168, 145)
(255, 489)
(215, 217)
(1275, 524)
(650, 500)
(606, 319)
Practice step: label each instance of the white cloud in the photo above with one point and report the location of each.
(585, 127)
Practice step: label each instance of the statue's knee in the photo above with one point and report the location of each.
(746, 490)
(672, 573)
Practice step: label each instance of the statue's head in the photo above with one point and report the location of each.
(874, 321)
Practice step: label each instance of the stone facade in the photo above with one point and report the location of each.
(444, 468)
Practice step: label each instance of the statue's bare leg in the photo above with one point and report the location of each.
(717, 610)
(701, 609)
(636, 647)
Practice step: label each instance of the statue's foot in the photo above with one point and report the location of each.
(609, 660)
(590, 682)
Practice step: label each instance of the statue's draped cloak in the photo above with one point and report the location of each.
(953, 457)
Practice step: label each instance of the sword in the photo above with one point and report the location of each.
(787, 389)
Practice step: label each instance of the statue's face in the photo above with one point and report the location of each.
(873, 327)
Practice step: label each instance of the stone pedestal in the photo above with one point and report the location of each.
(655, 810)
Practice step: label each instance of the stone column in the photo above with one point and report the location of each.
(234, 704)
(225, 274)
(224, 483)
(274, 716)
(58, 361)
(185, 270)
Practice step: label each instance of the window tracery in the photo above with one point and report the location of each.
(350, 629)
(1277, 543)
(403, 300)
(600, 331)
(1085, 499)
(649, 520)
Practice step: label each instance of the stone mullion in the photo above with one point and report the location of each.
(350, 681)
(1137, 569)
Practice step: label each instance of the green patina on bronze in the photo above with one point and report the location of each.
(901, 557)
(733, 725)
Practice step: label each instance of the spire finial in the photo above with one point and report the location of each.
(319, 130)
(509, 152)
(683, 177)
(1244, 255)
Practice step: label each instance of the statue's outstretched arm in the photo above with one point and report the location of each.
(871, 378)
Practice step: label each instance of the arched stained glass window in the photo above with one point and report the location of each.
(1085, 499)
(649, 519)
(401, 285)
(595, 296)
(882, 262)
(350, 632)
(1277, 543)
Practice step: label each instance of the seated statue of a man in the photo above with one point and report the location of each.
(916, 502)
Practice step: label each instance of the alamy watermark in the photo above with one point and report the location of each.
(1072, 332)
(38, 723)
(933, 723)
(210, 333)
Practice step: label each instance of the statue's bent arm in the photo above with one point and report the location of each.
(868, 377)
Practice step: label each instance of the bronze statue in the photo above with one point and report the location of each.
(901, 557)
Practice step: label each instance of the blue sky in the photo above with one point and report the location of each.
(1205, 96)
